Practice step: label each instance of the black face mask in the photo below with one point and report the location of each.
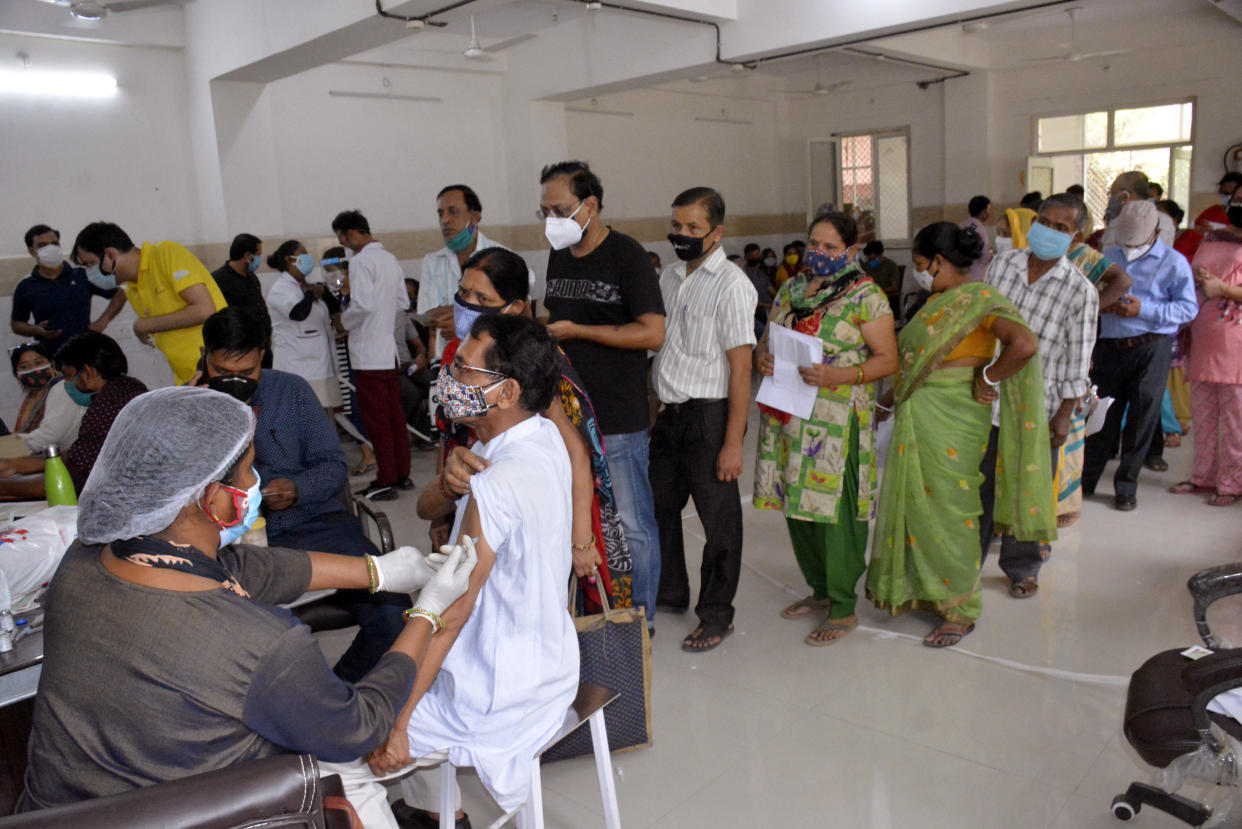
(687, 248)
(234, 385)
(1235, 215)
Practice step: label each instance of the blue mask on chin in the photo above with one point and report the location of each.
(462, 240)
(254, 500)
(82, 398)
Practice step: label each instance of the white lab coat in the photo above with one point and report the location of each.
(301, 347)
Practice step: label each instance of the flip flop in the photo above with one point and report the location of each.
(1189, 488)
(939, 633)
(810, 602)
(828, 626)
(1024, 589)
(1221, 499)
(706, 632)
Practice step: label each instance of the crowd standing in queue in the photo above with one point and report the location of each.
(568, 446)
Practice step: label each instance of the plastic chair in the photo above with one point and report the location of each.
(588, 706)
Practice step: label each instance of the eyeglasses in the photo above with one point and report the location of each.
(544, 213)
(456, 367)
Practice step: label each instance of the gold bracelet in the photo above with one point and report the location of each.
(437, 624)
(586, 546)
(372, 573)
(861, 375)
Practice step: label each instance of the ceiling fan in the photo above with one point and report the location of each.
(820, 89)
(477, 52)
(99, 9)
(1075, 54)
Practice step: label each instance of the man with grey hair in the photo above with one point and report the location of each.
(1060, 306)
(1132, 186)
(1135, 346)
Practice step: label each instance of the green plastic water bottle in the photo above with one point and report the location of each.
(57, 482)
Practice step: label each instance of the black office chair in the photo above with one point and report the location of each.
(284, 791)
(320, 614)
(1167, 721)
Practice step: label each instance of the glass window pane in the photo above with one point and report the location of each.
(893, 168)
(1072, 132)
(1152, 125)
(1102, 168)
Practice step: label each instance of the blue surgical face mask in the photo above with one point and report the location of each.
(305, 264)
(82, 398)
(254, 263)
(1047, 244)
(101, 280)
(462, 240)
(254, 499)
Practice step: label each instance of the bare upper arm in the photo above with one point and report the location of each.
(879, 335)
(472, 527)
(1011, 333)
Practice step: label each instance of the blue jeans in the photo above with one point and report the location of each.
(627, 462)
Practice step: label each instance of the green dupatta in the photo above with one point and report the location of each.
(1024, 504)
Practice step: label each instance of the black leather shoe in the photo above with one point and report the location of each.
(1125, 503)
(406, 484)
(410, 818)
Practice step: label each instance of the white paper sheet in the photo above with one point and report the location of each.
(784, 390)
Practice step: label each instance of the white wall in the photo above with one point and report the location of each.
(1207, 72)
(386, 158)
(69, 161)
(644, 161)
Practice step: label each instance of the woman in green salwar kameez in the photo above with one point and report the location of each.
(925, 549)
(820, 470)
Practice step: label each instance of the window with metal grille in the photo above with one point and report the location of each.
(874, 183)
(1093, 148)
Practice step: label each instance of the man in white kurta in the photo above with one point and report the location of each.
(510, 672)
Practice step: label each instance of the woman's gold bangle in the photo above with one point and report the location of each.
(584, 547)
(861, 375)
(437, 624)
(372, 574)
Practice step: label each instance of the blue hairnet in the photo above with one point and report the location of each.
(163, 449)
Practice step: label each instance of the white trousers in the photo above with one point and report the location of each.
(369, 796)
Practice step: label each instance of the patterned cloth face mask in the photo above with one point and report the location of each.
(461, 400)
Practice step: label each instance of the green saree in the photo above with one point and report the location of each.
(925, 550)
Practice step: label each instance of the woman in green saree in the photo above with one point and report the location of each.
(925, 549)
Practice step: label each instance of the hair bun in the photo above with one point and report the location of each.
(969, 243)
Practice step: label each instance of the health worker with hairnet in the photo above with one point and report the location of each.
(165, 652)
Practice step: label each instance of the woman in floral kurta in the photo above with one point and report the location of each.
(821, 471)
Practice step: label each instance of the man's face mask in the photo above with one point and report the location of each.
(238, 386)
(461, 401)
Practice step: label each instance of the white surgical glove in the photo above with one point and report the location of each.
(452, 580)
(404, 570)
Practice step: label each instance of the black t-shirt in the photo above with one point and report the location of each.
(612, 285)
(246, 293)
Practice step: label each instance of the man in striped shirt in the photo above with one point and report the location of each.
(1060, 307)
(702, 377)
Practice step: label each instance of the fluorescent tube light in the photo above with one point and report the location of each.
(61, 84)
(384, 96)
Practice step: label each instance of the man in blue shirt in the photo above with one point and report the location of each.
(54, 302)
(1131, 359)
(302, 471)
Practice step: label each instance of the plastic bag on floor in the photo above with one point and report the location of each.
(1214, 762)
(31, 549)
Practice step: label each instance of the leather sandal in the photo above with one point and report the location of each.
(810, 603)
(1025, 588)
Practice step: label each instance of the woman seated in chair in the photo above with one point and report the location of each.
(165, 653)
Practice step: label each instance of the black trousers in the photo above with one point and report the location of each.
(685, 443)
(1018, 559)
(1134, 377)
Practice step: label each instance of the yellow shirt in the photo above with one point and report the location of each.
(165, 269)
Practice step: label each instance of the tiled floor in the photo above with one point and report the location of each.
(878, 731)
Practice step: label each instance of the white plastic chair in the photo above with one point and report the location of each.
(588, 706)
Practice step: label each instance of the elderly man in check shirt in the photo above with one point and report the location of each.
(1060, 306)
(702, 377)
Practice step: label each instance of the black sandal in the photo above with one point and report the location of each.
(704, 632)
